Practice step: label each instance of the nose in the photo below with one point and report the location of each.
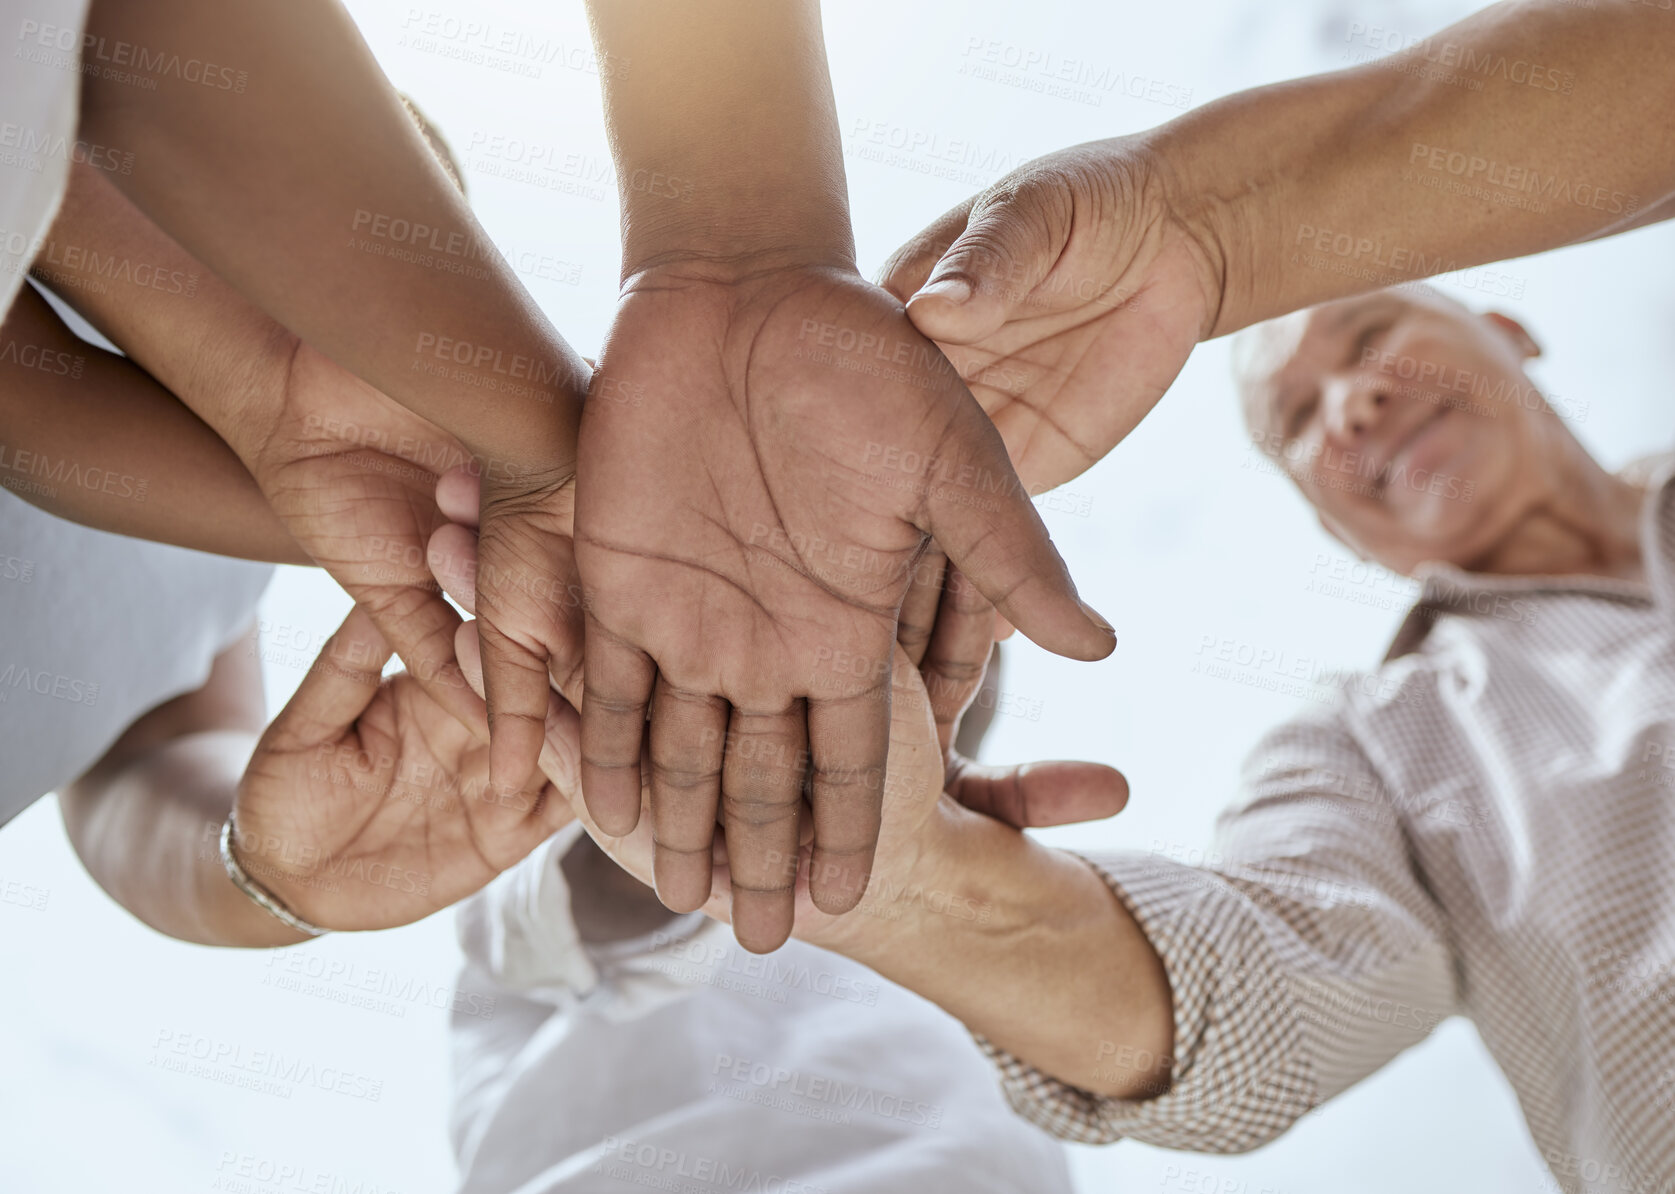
(1354, 402)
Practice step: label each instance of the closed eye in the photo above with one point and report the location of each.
(1364, 341)
(1299, 416)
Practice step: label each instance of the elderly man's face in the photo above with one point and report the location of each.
(1406, 421)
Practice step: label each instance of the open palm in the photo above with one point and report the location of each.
(763, 463)
(1069, 295)
(367, 805)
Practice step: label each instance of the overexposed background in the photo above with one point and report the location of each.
(1177, 537)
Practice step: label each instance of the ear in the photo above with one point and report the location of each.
(1517, 333)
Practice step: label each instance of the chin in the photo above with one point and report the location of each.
(1439, 530)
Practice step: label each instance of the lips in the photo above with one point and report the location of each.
(1400, 448)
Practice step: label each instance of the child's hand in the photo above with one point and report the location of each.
(1068, 295)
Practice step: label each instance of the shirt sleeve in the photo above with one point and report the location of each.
(1302, 956)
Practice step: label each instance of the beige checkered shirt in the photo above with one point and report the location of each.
(1485, 826)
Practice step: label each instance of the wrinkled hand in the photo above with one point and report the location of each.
(1068, 294)
(353, 474)
(367, 805)
(763, 463)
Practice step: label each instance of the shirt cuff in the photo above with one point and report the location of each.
(1240, 1074)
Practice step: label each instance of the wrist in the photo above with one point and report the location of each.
(744, 249)
(1252, 175)
(237, 382)
(932, 889)
(227, 915)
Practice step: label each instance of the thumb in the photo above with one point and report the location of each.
(1012, 240)
(1038, 794)
(337, 689)
(992, 532)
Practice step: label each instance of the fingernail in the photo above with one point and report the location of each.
(954, 290)
(1097, 619)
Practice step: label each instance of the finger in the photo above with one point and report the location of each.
(918, 608)
(994, 534)
(617, 682)
(561, 753)
(1003, 629)
(1011, 241)
(419, 624)
(910, 266)
(687, 734)
(525, 631)
(337, 689)
(452, 556)
(459, 495)
(762, 782)
(958, 652)
(849, 739)
(1039, 794)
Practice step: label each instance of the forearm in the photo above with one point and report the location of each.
(90, 437)
(147, 830)
(1520, 129)
(724, 132)
(307, 187)
(219, 354)
(1025, 945)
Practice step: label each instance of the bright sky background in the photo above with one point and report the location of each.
(1176, 537)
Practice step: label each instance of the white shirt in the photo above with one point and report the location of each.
(1483, 827)
(95, 630)
(40, 91)
(681, 1062)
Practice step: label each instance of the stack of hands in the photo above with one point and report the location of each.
(733, 585)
